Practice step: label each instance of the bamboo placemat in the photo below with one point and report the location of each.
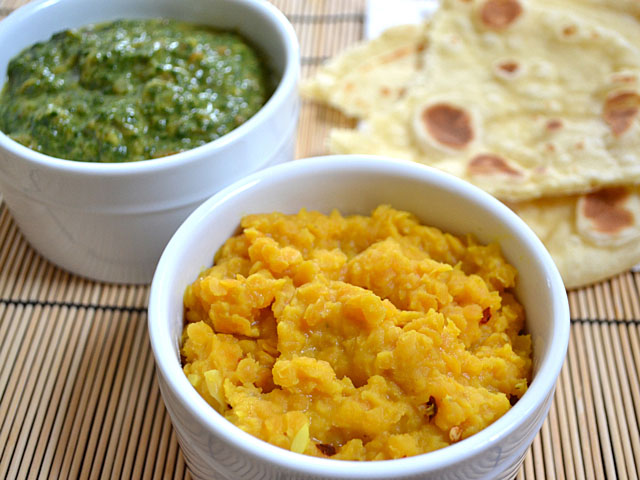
(78, 395)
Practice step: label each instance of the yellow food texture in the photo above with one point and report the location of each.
(356, 337)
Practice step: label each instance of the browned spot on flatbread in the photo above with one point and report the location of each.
(624, 78)
(620, 110)
(605, 210)
(554, 124)
(499, 14)
(396, 54)
(569, 30)
(385, 91)
(509, 66)
(491, 164)
(448, 125)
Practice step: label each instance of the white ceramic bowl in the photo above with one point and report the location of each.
(110, 222)
(214, 448)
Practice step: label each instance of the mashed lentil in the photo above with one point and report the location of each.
(359, 338)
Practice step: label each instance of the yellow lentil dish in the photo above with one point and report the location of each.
(356, 337)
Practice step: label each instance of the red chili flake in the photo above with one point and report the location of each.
(431, 408)
(486, 316)
(326, 449)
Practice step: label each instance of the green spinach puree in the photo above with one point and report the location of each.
(131, 90)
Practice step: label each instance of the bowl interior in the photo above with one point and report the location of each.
(48, 17)
(358, 185)
(437, 200)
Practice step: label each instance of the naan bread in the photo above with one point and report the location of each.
(370, 76)
(590, 237)
(523, 98)
(631, 7)
(526, 99)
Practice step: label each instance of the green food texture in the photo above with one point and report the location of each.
(131, 90)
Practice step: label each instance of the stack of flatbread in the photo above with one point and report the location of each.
(535, 101)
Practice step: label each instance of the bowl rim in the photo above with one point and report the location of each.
(287, 83)
(541, 386)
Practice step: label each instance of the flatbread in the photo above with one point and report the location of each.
(523, 98)
(590, 237)
(604, 7)
(370, 76)
(527, 100)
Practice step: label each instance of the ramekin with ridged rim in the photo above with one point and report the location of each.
(110, 222)
(214, 448)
